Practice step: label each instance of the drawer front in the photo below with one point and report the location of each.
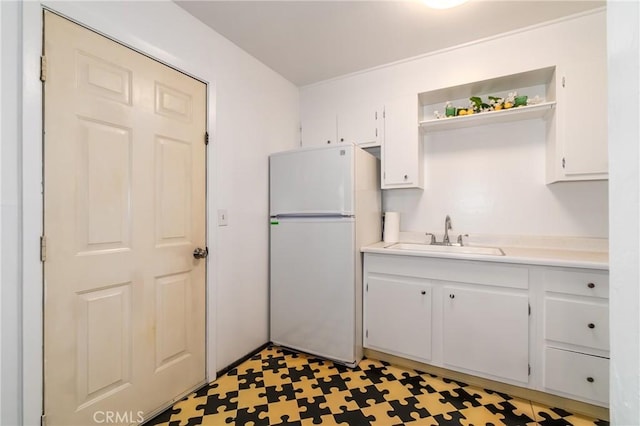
(583, 376)
(471, 272)
(583, 283)
(577, 322)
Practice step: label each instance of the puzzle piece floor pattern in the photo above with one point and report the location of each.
(280, 387)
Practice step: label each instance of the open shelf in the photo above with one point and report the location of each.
(492, 86)
(489, 117)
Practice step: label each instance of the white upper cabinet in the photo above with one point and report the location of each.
(358, 124)
(402, 148)
(361, 125)
(580, 149)
(319, 128)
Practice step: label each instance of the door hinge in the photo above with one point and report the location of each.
(564, 82)
(529, 369)
(376, 132)
(367, 287)
(563, 162)
(43, 420)
(43, 248)
(43, 68)
(529, 309)
(206, 138)
(376, 115)
(367, 334)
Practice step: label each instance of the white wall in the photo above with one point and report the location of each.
(252, 111)
(10, 297)
(623, 23)
(489, 179)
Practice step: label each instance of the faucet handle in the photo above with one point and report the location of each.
(460, 238)
(433, 237)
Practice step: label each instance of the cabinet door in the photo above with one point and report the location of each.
(319, 129)
(401, 148)
(486, 331)
(583, 119)
(398, 317)
(359, 125)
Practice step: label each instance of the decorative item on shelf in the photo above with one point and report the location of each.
(510, 100)
(476, 104)
(450, 110)
(493, 103)
(496, 104)
(521, 100)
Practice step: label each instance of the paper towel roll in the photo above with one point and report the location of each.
(391, 227)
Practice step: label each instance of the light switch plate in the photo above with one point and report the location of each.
(223, 217)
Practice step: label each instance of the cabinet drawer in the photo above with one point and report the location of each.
(583, 283)
(580, 375)
(577, 322)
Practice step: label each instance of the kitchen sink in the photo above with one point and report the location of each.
(492, 251)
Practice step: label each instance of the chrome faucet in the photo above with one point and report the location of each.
(447, 227)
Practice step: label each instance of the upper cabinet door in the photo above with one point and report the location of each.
(361, 125)
(402, 149)
(319, 128)
(583, 120)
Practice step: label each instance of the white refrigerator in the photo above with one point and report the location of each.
(324, 205)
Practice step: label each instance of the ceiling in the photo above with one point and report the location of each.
(311, 41)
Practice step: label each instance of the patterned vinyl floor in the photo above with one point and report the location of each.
(278, 387)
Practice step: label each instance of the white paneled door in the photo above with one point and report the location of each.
(124, 182)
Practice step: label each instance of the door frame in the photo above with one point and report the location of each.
(32, 214)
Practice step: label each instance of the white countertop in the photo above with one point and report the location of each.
(546, 256)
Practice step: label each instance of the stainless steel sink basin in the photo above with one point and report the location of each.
(492, 251)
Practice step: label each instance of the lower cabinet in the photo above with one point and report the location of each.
(486, 331)
(541, 327)
(576, 334)
(398, 317)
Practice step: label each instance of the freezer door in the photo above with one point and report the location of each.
(312, 181)
(313, 286)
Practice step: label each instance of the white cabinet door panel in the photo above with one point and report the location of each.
(584, 130)
(398, 316)
(402, 153)
(319, 129)
(359, 125)
(487, 331)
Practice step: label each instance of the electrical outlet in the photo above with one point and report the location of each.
(223, 218)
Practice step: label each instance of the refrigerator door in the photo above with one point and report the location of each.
(313, 286)
(312, 181)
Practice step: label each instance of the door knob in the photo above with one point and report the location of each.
(201, 253)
